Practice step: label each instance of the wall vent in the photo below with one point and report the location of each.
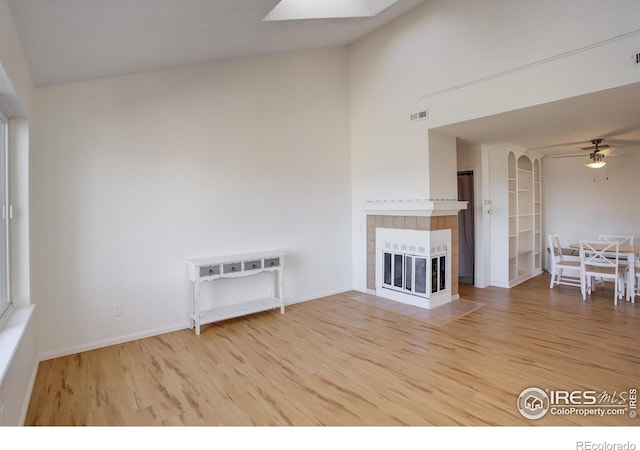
(420, 115)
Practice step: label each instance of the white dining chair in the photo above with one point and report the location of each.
(600, 259)
(561, 263)
(634, 284)
(623, 239)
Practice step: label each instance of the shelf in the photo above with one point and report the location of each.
(239, 309)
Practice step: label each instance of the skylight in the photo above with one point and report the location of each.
(327, 9)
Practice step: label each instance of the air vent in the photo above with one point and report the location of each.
(420, 115)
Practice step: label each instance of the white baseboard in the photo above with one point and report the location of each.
(317, 296)
(116, 340)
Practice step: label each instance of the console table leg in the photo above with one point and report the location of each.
(281, 287)
(196, 306)
(191, 312)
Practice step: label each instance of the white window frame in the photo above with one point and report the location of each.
(6, 301)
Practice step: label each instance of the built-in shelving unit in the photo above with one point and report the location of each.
(524, 216)
(513, 216)
(537, 211)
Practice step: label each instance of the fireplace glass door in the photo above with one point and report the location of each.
(406, 273)
(414, 274)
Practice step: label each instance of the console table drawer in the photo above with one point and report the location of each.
(206, 271)
(232, 267)
(253, 265)
(272, 262)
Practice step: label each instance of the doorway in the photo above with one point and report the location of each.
(466, 229)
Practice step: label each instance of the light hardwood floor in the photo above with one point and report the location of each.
(340, 361)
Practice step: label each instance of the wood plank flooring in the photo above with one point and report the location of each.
(340, 361)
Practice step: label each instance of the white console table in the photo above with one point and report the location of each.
(234, 266)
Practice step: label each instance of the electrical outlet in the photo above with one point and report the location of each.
(117, 310)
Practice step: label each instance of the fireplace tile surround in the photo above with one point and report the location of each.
(422, 223)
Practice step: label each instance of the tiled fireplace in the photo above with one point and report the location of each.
(412, 251)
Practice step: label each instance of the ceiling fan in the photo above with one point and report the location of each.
(596, 157)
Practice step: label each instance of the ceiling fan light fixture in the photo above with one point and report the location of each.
(596, 164)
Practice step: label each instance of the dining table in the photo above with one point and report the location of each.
(630, 252)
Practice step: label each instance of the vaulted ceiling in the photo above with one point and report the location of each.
(74, 40)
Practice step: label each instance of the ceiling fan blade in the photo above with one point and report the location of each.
(571, 156)
(566, 144)
(627, 144)
(593, 147)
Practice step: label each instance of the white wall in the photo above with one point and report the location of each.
(132, 176)
(442, 162)
(577, 207)
(462, 60)
(470, 158)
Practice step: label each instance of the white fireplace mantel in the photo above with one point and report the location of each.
(419, 207)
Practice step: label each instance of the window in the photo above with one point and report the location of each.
(5, 298)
